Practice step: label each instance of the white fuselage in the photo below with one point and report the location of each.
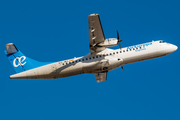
(105, 60)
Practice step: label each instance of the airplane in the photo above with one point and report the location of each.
(99, 61)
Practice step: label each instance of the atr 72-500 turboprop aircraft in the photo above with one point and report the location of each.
(99, 61)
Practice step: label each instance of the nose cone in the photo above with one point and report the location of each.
(175, 47)
(172, 48)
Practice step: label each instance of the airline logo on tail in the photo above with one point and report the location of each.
(19, 61)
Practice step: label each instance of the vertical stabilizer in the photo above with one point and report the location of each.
(19, 61)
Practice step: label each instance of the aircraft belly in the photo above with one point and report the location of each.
(69, 70)
(44, 72)
(30, 74)
(54, 71)
(96, 66)
(90, 67)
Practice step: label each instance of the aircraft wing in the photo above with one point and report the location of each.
(100, 77)
(96, 34)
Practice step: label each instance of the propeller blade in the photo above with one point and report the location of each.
(122, 68)
(119, 40)
(117, 35)
(119, 45)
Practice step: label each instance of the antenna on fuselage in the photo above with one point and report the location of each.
(119, 40)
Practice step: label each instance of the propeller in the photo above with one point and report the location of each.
(122, 68)
(119, 40)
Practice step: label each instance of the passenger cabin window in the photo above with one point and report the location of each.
(89, 58)
(96, 56)
(161, 41)
(133, 48)
(123, 50)
(127, 50)
(86, 58)
(137, 48)
(82, 59)
(117, 52)
(110, 53)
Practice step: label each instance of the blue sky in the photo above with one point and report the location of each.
(58, 30)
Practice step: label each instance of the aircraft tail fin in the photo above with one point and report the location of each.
(19, 61)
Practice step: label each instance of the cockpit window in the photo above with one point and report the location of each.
(161, 41)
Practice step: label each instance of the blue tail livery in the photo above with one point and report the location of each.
(19, 61)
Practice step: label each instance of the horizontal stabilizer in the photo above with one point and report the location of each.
(11, 48)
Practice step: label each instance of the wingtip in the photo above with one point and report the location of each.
(10, 77)
(94, 14)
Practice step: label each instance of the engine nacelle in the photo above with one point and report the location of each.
(109, 42)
